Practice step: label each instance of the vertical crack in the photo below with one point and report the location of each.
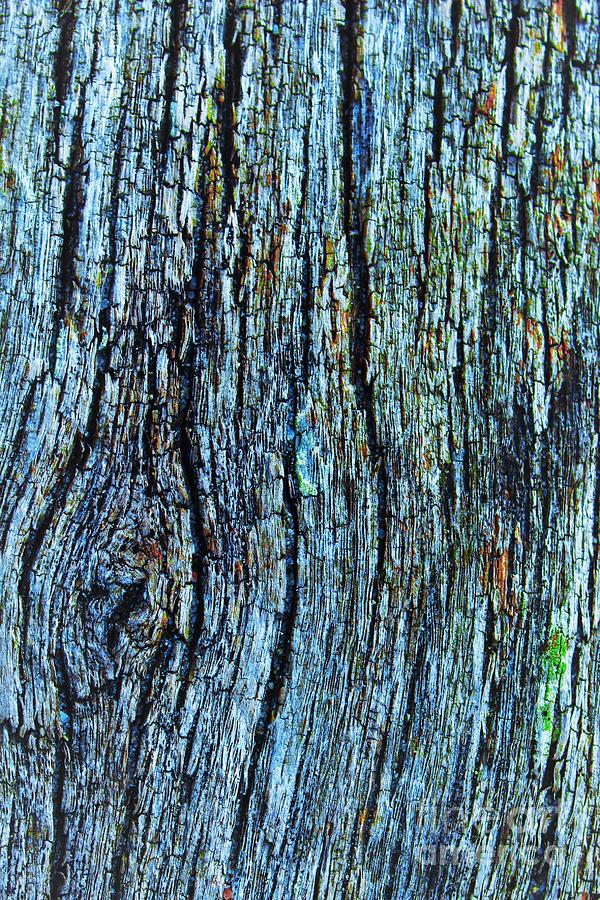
(593, 564)
(455, 17)
(227, 126)
(423, 271)
(232, 93)
(439, 104)
(541, 865)
(176, 31)
(58, 864)
(56, 503)
(538, 128)
(303, 243)
(67, 17)
(439, 111)
(122, 849)
(354, 227)
(74, 199)
(241, 300)
(512, 42)
(570, 27)
(184, 425)
(355, 158)
(281, 660)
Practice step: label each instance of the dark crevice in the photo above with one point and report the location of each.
(595, 549)
(417, 658)
(27, 408)
(67, 17)
(455, 17)
(306, 314)
(523, 236)
(187, 778)
(372, 800)
(351, 855)
(184, 429)
(411, 727)
(570, 24)
(538, 128)
(423, 271)
(439, 108)
(195, 292)
(316, 892)
(74, 199)
(354, 226)
(541, 865)
(303, 244)
(232, 93)
(512, 42)
(55, 504)
(151, 425)
(459, 372)
(176, 32)
(356, 153)
(240, 293)
(133, 600)
(231, 96)
(58, 864)
(281, 660)
(132, 776)
(191, 888)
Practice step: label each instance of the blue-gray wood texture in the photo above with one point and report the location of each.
(299, 448)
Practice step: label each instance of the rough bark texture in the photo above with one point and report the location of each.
(299, 421)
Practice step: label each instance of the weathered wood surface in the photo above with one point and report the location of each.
(299, 423)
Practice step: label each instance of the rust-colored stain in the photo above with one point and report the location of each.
(557, 160)
(501, 575)
(490, 103)
(495, 575)
(152, 550)
(558, 9)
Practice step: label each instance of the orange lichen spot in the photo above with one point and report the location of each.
(534, 333)
(329, 255)
(490, 102)
(227, 894)
(557, 160)
(558, 10)
(560, 349)
(488, 107)
(501, 577)
(152, 550)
